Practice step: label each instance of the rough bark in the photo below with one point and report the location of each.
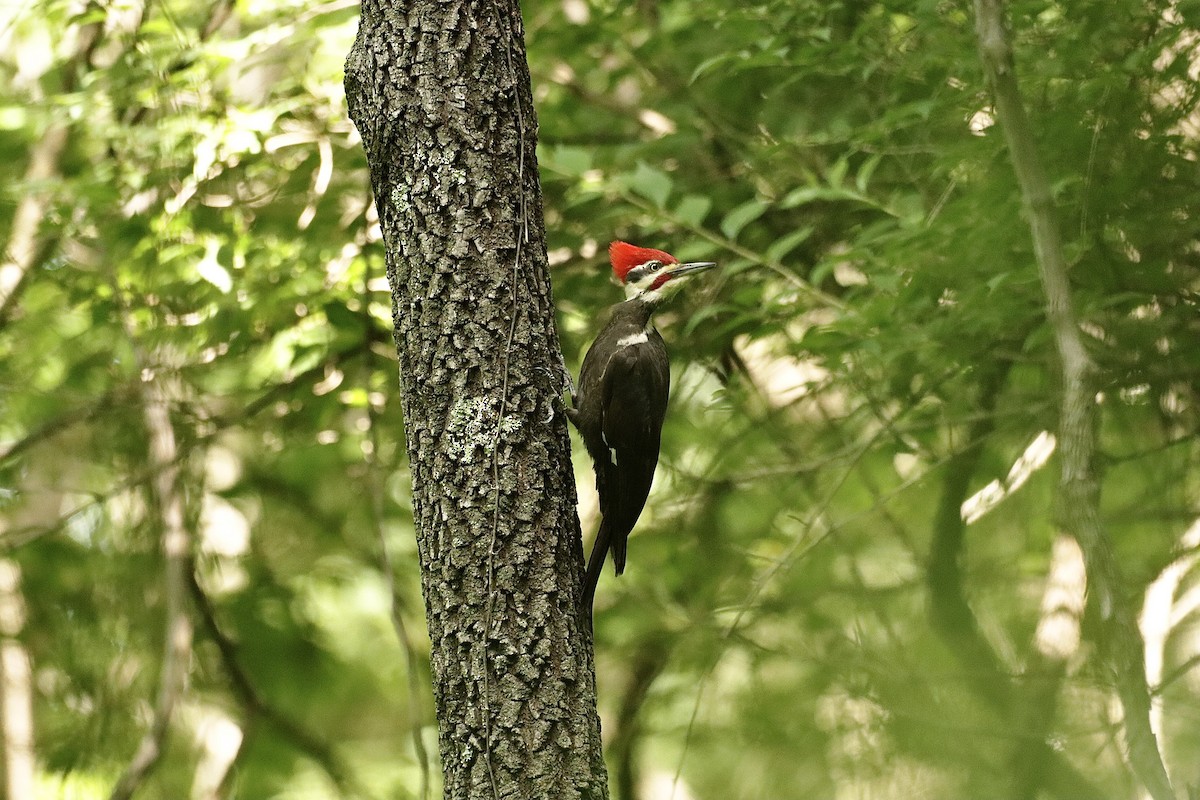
(1079, 487)
(440, 93)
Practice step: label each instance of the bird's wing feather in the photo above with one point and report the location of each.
(636, 385)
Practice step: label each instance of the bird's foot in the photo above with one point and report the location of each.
(556, 405)
(568, 383)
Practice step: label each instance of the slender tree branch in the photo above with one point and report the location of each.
(116, 395)
(18, 537)
(257, 707)
(1079, 491)
(24, 251)
(650, 657)
(1159, 616)
(1177, 673)
(23, 247)
(951, 614)
(58, 424)
(1056, 640)
(16, 687)
(176, 543)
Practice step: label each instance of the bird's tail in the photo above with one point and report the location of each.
(633, 481)
(618, 545)
(594, 566)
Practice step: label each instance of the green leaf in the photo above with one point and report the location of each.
(785, 245)
(809, 194)
(801, 196)
(89, 15)
(998, 280)
(821, 271)
(837, 173)
(652, 184)
(742, 216)
(709, 63)
(570, 160)
(342, 318)
(702, 314)
(863, 179)
(693, 209)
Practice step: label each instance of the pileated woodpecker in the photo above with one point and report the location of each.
(622, 399)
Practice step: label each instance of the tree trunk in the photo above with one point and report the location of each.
(1079, 485)
(441, 95)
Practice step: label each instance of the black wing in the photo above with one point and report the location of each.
(629, 395)
(637, 385)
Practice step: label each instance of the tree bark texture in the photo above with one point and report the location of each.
(1079, 487)
(440, 93)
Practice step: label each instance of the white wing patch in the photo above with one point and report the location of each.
(632, 339)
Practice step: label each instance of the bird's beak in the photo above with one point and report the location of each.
(675, 270)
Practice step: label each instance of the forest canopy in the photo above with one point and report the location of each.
(851, 578)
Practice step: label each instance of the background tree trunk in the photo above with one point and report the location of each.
(1079, 485)
(441, 95)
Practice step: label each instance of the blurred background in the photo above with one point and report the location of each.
(848, 568)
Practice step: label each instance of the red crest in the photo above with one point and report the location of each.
(625, 256)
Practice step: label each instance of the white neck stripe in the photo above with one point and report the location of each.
(632, 339)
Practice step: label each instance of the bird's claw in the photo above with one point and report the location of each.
(567, 386)
(568, 383)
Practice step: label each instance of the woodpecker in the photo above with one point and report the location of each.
(622, 399)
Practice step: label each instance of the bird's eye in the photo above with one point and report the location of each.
(654, 266)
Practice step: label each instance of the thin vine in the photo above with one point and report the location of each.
(522, 237)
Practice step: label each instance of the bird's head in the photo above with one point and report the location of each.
(648, 273)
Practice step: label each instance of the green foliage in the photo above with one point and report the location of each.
(207, 222)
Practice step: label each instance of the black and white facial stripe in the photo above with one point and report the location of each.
(639, 273)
